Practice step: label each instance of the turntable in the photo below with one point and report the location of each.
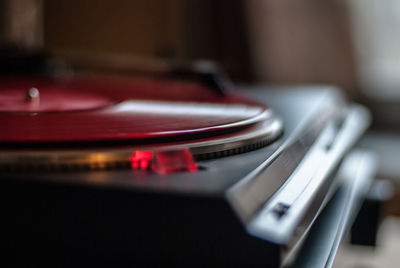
(150, 172)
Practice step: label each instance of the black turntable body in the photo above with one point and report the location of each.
(252, 208)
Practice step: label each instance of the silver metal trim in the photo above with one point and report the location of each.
(301, 190)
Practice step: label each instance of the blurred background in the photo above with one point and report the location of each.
(354, 44)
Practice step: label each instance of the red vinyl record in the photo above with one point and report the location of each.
(107, 123)
(76, 110)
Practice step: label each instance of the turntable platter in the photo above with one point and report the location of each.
(47, 116)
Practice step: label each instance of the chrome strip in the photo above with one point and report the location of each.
(300, 192)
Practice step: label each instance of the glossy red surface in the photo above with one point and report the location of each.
(111, 109)
(165, 162)
(50, 100)
(141, 159)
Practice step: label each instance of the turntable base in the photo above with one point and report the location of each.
(252, 208)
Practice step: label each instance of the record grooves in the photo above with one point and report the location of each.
(173, 139)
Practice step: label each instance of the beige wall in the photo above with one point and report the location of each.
(301, 41)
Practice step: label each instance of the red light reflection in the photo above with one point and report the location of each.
(164, 162)
(141, 159)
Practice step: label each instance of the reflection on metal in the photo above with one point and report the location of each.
(305, 184)
(355, 177)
